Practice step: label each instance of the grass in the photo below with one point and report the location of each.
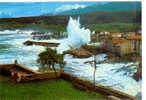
(16, 25)
(114, 27)
(44, 90)
(111, 27)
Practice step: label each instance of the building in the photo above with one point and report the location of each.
(104, 37)
(115, 35)
(138, 32)
(104, 32)
(127, 34)
(119, 46)
(136, 40)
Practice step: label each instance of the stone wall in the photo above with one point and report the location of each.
(87, 85)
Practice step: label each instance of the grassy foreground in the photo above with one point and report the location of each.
(44, 90)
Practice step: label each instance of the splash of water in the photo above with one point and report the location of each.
(77, 36)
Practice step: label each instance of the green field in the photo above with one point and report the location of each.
(44, 90)
(114, 27)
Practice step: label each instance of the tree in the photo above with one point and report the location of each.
(49, 58)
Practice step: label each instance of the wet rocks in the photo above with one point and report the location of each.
(48, 44)
(28, 43)
(138, 75)
(79, 53)
(85, 51)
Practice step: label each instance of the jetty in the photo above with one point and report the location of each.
(47, 44)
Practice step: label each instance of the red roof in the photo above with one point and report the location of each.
(111, 34)
(131, 32)
(116, 40)
(104, 31)
(137, 37)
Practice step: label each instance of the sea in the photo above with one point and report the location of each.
(114, 75)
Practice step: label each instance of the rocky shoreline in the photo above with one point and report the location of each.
(88, 50)
(85, 51)
(47, 44)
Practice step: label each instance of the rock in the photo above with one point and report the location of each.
(28, 43)
(79, 53)
(138, 75)
(50, 44)
(85, 51)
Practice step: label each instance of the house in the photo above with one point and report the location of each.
(131, 33)
(94, 37)
(119, 46)
(115, 35)
(139, 32)
(104, 32)
(127, 34)
(110, 36)
(136, 40)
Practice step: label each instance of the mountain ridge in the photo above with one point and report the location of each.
(107, 7)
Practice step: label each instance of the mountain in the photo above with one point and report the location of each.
(26, 9)
(107, 7)
(126, 12)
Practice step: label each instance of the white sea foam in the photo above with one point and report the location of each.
(106, 74)
(9, 31)
(26, 55)
(77, 36)
(17, 31)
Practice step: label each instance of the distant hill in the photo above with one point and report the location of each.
(88, 18)
(113, 12)
(107, 7)
(110, 17)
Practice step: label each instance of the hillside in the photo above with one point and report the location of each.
(107, 7)
(125, 12)
(88, 18)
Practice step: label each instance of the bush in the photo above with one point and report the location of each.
(49, 58)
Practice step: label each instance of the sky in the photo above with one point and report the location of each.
(20, 9)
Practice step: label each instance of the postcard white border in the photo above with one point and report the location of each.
(143, 30)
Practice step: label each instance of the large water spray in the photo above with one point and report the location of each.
(77, 36)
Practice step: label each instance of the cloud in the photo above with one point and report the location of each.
(69, 7)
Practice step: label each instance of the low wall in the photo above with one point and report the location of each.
(76, 81)
(84, 84)
(40, 76)
(24, 69)
(5, 69)
(9, 68)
